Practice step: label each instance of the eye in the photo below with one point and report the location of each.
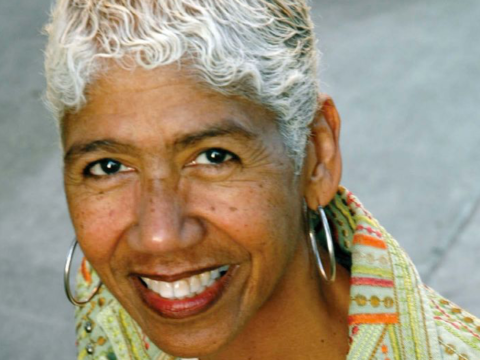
(105, 167)
(214, 157)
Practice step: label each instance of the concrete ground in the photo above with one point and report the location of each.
(406, 78)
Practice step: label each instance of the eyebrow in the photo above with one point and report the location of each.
(110, 145)
(229, 128)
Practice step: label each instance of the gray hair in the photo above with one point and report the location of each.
(263, 50)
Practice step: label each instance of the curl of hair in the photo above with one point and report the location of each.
(263, 50)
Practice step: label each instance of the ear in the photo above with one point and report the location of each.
(323, 163)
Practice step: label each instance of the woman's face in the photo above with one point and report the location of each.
(168, 182)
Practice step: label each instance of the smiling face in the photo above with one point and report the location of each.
(167, 181)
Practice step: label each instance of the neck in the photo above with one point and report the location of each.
(305, 318)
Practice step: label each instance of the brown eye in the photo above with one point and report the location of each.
(106, 167)
(214, 157)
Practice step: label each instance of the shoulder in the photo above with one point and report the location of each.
(104, 330)
(458, 330)
(91, 340)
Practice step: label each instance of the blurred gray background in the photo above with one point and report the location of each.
(405, 76)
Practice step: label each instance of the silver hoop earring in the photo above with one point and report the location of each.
(314, 245)
(66, 278)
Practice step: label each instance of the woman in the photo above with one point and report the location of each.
(202, 172)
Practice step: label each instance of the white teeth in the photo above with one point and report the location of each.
(148, 282)
(195, 284)
(181, 289)
(204, 278)
(156, 286)
(187, 287)
(214, 274)
(165, 289)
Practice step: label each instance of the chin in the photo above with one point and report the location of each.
(195, 325)
(194, 343)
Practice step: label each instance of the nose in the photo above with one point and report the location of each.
(163, 226)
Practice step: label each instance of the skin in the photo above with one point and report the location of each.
(168, 211)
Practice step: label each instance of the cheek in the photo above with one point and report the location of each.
(266, 225)
(99, 220)
(245, 211)
(260, 217)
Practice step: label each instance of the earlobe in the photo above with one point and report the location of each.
(323, 165)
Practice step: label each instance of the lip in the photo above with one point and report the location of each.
(188, 307)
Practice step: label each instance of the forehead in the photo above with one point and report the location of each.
(163, 101)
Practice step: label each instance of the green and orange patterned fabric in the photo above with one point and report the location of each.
(392, 314)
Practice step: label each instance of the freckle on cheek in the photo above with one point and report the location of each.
(233, 209)
(212, 208)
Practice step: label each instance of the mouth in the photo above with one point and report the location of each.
(187, 296)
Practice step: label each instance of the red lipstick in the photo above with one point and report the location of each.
(183, 308)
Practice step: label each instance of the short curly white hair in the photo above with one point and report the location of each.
(263, 50)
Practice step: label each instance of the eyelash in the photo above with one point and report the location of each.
(106, 161)
(230, 157)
